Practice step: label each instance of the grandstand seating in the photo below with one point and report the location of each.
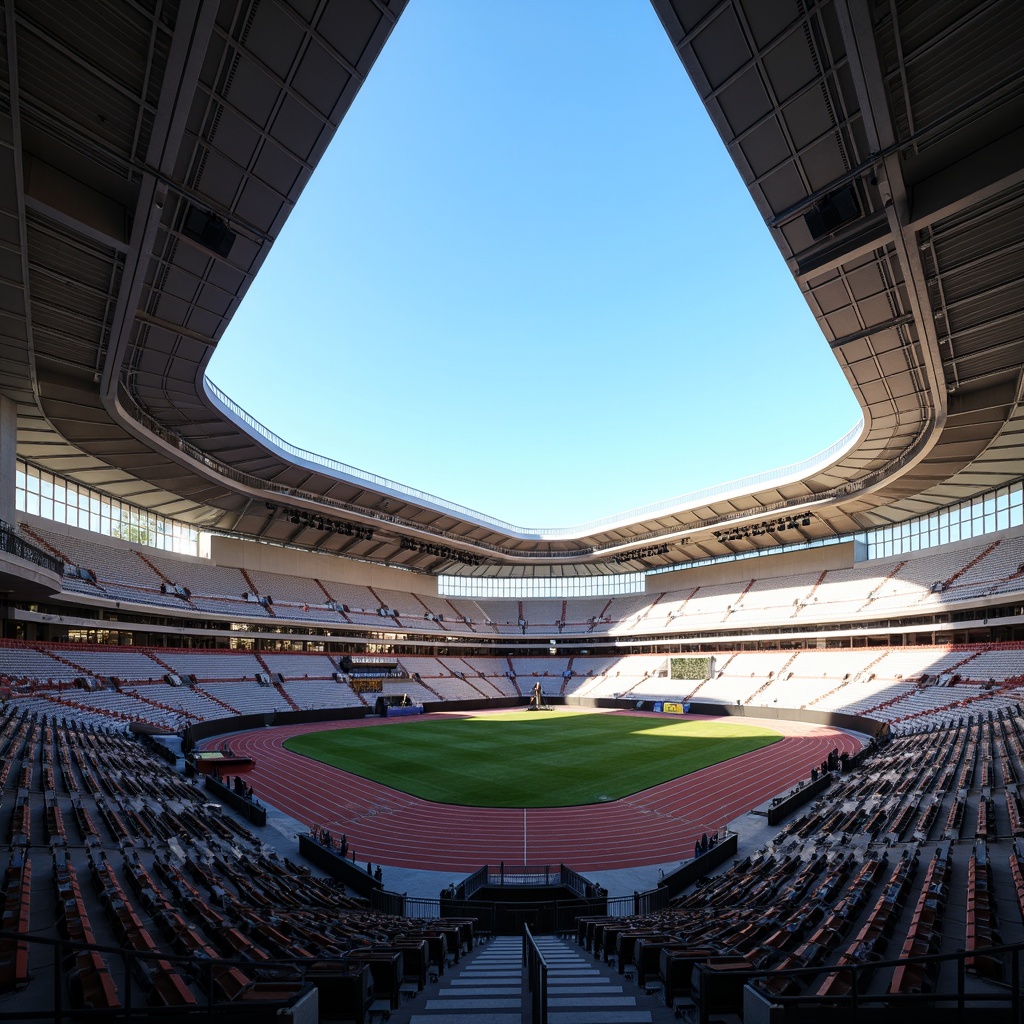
(875, 848)
(824, 894)
(814, 896)
(921, 583)
(893, 685)
(161, 872)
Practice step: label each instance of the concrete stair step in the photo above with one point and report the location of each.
(488, 987)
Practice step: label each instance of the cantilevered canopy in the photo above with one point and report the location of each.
(153, 151)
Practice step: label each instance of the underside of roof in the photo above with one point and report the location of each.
(153, 150)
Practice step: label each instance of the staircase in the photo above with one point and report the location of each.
(488, 987)
(970, 565)
(566, 679)
(36, 539)
(459, 616)
(151, 565)
(479, 675)
(287, 696)
(217, 700)
(150, 653)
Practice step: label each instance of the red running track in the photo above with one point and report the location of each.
(656, 826)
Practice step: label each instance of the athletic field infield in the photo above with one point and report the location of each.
(531, 759)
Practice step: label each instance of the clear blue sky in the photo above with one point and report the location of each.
(527, 278)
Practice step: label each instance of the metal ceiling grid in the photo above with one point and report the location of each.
(878, 149)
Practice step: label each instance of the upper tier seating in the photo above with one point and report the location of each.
(918, 583)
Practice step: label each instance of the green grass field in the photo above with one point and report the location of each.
(524, 759)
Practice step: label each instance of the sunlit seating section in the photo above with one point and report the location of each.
(312, 693)
(360, 604)
(542, 617)
(24, 663)
(706, 606)
(841, 593)
(590, 676)
(450, 667)
(503, 617)
(662, 611)
(1005, 571)
(46, 704)
(294, 597)
(926, 699)
(629, 672)
(747, 665)
(998, 665)
(123, 663)
(834, 665)
(115, 704)
(580, 613)
(917, 583)
(495, 671)
(286, 589)
(913, 664)
(623, 613)
(661, 687)
(462, 607)
(445, 688)
(721, 689)
(188, 700)
(771, 600)
(213, 588)
(790, 691)
(297, 665)
(206, 665)
(120, 573)
(888, 684)
(248, 698)
(413, 613)
(1003, 562)
(923, 581)
(858, 697)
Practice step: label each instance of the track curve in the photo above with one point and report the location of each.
(655, 826)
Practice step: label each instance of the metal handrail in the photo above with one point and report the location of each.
(536, 978)
(12, 543)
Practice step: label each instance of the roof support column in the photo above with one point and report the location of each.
(8, 458)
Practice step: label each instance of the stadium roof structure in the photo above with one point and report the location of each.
(152, 150)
